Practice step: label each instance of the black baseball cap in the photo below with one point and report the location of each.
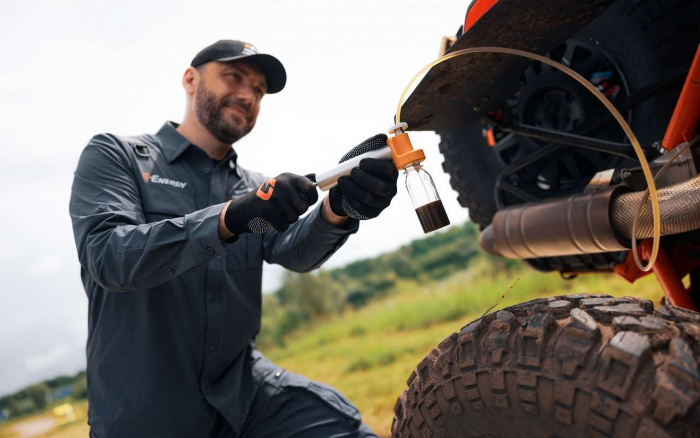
(231, 50)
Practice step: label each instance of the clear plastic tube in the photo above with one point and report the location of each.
(616, 114)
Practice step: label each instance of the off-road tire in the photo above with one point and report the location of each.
(567, 366)
(647, 38)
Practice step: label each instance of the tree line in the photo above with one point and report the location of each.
(37, 397)
(302, 298)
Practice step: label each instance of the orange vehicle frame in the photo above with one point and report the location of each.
(669, 269)
(478, 8)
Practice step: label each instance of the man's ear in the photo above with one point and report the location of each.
(190, 80)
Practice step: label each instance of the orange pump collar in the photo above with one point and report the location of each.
(402, 151)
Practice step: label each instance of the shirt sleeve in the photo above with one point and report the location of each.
(308, 243)
(117, 248)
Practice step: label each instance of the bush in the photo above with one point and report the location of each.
(305, 298)
(38, 394)
(80, 389)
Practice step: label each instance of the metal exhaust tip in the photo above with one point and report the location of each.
(488, 243)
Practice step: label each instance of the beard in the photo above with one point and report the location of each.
(210, 114)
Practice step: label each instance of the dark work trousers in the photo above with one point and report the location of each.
(289, 405)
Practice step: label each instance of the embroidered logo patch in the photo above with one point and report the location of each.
(157, 179)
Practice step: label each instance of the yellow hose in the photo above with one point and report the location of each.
(656, 215)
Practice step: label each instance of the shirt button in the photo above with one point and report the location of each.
(211, 348)
(169, 271)
(212, 298)
(206, 170)
(210, 251)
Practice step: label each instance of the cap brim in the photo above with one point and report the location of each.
(274, 71)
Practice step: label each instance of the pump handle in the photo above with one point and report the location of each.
(329, 179)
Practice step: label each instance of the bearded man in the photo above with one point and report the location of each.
(171, 235)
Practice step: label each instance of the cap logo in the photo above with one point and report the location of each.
(249, 49)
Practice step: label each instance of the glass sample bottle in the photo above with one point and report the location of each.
(425, 198)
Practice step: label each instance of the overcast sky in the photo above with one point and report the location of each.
(72, 69)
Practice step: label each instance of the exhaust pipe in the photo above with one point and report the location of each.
(589, 223)
(578, 224)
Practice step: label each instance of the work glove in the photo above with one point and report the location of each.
(368, 190)
(277, 204)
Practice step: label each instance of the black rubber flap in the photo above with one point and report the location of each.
(463, 89)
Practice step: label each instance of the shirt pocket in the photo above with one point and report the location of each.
(246, 253)
(166, 203)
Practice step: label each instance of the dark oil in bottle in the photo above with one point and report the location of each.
(432, 216)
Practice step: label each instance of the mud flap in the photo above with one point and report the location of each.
(462, 90)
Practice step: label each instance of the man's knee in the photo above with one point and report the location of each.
(302, 407)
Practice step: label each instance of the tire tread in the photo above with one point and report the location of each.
(592, 364)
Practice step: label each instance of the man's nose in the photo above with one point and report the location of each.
(246, 96)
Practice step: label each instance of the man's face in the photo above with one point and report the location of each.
(227, 100)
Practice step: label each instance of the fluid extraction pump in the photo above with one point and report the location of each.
(419, 183)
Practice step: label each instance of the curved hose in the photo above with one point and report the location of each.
(616, 114)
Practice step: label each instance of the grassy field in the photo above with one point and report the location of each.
(369, 353)
(43, 424)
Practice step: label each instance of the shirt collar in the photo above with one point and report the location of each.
(174, 144)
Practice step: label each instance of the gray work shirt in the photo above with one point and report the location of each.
(172, 309)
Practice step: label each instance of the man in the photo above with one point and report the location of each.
(171, 235)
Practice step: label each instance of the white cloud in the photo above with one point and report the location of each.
(45, 360)
(4, 248)
(48, 264)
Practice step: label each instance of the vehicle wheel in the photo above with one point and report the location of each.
(567, 366)
(632, 44)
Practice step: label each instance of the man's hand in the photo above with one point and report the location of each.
(276, 204)
(329, 216)
(224, 233)
(369, 188)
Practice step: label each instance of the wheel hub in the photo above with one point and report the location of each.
(557, 109)
(551, 100)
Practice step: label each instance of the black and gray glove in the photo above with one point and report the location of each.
(369, 188)
(276, 204)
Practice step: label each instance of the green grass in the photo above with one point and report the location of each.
(368, 354)
(75, 429)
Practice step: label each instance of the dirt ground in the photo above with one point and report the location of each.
(34, 427)
(45, 427)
